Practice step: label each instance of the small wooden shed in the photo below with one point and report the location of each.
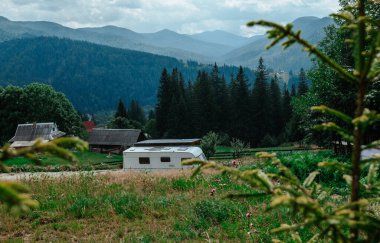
(113, 140)
(27, 133)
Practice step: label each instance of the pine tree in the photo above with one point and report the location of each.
(286, 106)
(121, 110)
(302, 85)
(240, 108)
(259, 104)
(204, 106)
(294, 92)
(163, 103)
(275, 105)
(221, 100)
(136, 112)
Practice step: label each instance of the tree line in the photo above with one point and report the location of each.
(259, 115)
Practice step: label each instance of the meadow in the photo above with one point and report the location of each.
(158, 206)
(86, 161)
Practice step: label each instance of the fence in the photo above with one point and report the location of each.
(252, 152)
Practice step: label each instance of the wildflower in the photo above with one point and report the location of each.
(248, 215)
(235, 163)
(212, 192)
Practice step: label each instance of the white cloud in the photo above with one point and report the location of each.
(185, 16)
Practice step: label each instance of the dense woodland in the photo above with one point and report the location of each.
(258, 115)
(93, 77)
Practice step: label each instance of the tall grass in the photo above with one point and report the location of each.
(146, 207)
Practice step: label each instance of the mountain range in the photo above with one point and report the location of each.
(207, 47)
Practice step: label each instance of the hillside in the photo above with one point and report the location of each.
(291, 59)
(207, 47)
(92, 76)
(171, 44)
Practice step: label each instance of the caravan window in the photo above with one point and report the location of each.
(144, 160)
(165, 159)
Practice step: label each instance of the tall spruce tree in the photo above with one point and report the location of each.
(286, 106)
(177, 123)
(136, 112)
(221, 112)
(121, 110)
(275, 104)
(240, 106)
(293, 92)
(259, 104)
(302, 84)
(163, 103)
(204, 104)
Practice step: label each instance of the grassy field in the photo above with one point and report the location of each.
(86, 160)
(156, 206)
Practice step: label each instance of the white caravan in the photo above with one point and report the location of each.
(159, 157)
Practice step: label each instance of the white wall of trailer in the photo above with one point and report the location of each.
(159, 157)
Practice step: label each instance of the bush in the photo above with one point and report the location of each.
(209, 143)
(238, 146)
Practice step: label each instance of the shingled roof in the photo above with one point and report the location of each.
(121, 137)
(29, 132)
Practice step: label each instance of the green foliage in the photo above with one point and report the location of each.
(209, 104)
(238, 146)
(209, 143)
(121, 111)
(136, 112)
(302, 85)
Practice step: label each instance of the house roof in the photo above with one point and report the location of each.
(196, 151)
(89, 125)
(123, 137)
(31, 131)
(168, 142)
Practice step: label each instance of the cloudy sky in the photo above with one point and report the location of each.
(183, 16)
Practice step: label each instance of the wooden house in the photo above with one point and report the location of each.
(27, 133)
(113, 140)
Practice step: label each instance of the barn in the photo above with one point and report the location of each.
(113, 140)
(27, 133)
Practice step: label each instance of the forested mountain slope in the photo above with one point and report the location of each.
(93, 77)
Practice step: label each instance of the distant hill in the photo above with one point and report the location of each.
(291, 59)
(207, 47)
(164, 42)
(222, 38)
(92, 76)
